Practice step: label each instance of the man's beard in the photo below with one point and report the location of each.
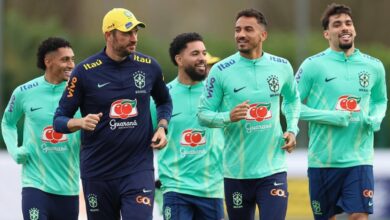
(345, 46)
(122, 51)
(245, 51)
(195, 75)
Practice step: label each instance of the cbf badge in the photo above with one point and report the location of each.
(139, 79)
(364, 79)
(273, 83)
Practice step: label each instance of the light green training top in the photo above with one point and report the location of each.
(253, 146)
(191, 163)
(50, 159)
(345, 103)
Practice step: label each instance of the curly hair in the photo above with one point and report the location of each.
(180, 42)
(49, 45)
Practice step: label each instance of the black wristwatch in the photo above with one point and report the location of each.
(163, 126)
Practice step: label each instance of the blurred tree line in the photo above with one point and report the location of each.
(24, 29)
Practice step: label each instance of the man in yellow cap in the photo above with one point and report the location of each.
(113, 90)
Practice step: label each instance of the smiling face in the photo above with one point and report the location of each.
(340, 33)
(249, 36)
(60, 63)
(192, 60)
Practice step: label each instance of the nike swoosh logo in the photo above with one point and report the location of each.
(176, 114)
(278, 184)
(370, 203)
(330, 79)
(239, 89)
(34, 109)
(102, 85)
(146, 190)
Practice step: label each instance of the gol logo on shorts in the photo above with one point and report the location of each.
(368, 193)
(278, 192)
(143, 200)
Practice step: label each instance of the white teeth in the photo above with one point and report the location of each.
(345, 35)
(202, 67)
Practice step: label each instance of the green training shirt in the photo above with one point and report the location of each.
(191, 163)
(253, 146)
(50, 159)
(345, 103)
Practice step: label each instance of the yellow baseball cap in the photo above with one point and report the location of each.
(210, 59)
(120, 19)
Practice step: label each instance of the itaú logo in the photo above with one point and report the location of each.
(193, 137)
(124, 108)
(348, 103)
(259, 112)
(49, 135)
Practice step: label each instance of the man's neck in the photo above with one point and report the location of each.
(347, 52)
(254, 54)
(52, 79)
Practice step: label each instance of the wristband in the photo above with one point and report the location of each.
(163, 126)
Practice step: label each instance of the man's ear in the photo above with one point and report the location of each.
(326, 34)
(47, 60)
(178, 59)
(263, 35)
(107, 35)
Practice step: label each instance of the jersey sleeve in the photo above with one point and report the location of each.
(161, 97)
(12, 114)
(210, 102)
(378, 100)
(291, 102)
(305, 79)
(69, 103)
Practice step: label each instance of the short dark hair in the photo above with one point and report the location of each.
(180, 42)
(334, 9)
(49, 45)
(250, 12)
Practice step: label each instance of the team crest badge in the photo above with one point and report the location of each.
(237, 200)
(34, 213)
(92, 200)
(139, 79)
(167, 213)
(364, 79)
(316, 206)
(273, 83)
